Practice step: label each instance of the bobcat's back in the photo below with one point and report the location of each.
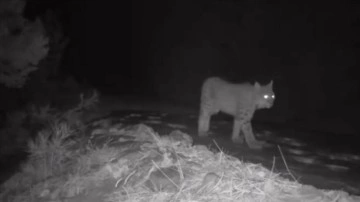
(227, 97)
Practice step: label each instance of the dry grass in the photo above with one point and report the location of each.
(146, 167)
(214, 177)
(208, 176)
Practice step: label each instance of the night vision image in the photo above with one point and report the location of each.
(214, 101)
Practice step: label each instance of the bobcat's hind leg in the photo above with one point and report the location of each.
(250, 137)
(205, 119)
(236, 137)
(204, 123)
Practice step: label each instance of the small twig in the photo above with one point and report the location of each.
(217, 145)
(177, 186)
(273, 166)
(287, 168)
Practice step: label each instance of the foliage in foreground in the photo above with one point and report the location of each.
(21, 126)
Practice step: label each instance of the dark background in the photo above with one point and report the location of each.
(309, 48)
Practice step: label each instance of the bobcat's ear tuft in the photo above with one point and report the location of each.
(257, 85)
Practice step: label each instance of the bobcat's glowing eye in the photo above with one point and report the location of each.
(266, 96)
(273, 96)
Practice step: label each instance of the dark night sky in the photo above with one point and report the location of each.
(311, 50)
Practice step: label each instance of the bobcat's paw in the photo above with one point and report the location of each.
(238, 140)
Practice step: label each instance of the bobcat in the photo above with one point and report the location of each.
(238, 100)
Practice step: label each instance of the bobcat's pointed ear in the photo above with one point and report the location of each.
(270, 84)
(257, 85)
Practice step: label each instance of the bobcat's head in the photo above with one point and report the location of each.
(264, 95)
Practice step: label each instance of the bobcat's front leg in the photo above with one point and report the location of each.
(250, 137)
(240, 117)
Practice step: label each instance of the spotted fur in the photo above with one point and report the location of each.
(237, 100)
